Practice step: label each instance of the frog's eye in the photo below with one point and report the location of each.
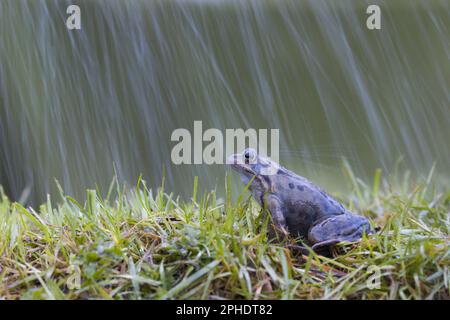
(249, 155)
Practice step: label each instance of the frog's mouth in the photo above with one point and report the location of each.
(236, 163)
(246, 172)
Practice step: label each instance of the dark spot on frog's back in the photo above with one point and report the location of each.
(291, 185)
(301, 188)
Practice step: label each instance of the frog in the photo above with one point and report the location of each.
(297, 206)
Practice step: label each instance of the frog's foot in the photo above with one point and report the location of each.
(344, 227)
(327, 243)
(331, 244)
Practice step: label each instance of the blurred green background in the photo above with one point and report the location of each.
(78, 106)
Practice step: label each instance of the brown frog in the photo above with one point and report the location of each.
(298, 206)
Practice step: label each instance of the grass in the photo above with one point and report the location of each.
(149, 245)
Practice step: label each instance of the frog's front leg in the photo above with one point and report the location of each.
(275, 207)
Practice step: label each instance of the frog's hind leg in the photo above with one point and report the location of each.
(344, 227)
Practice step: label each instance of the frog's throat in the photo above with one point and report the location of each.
(266, 183)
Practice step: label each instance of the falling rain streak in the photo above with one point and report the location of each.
(81, 105)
